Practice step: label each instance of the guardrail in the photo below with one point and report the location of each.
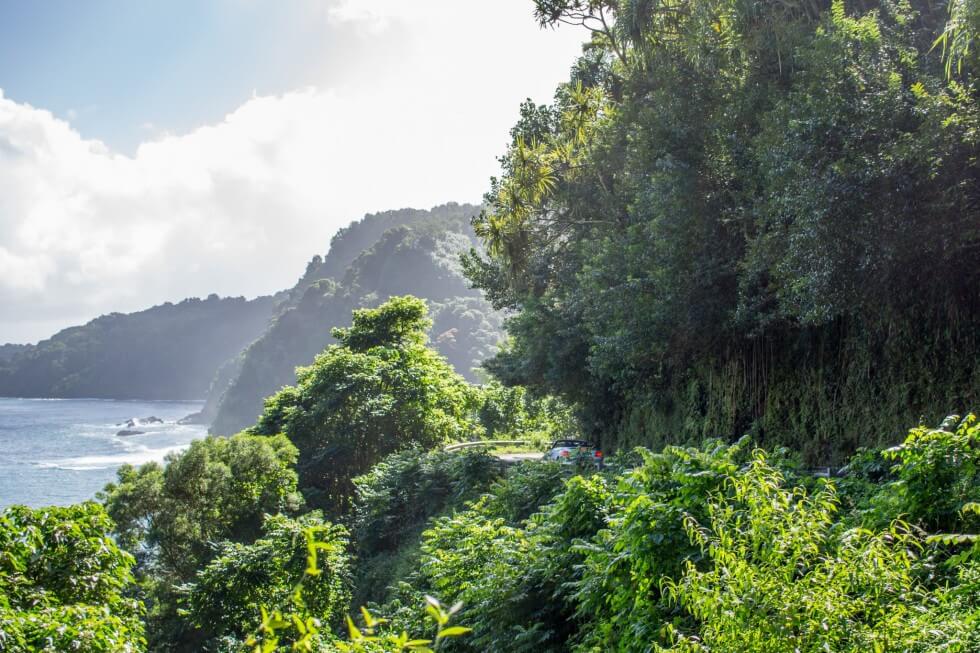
(484, 443)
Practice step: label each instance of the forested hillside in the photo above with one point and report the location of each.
(8, 351)
(744, 238)
(169, 351)
(747, 217)
(385, 254)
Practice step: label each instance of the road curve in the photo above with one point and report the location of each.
(518, 457)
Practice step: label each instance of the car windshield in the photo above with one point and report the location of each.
(570, 443)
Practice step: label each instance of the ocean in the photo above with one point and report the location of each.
(62, 451)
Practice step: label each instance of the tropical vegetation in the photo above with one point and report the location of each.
(746, 216)
(739, 253)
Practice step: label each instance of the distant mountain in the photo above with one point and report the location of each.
(169, 351)
(9, 351)
(236, 352)
(393, 253)
(357, 237)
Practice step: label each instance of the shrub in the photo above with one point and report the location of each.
(231, 590)
(408, 487)
(619, 596)
(64, 583)
(781, 576)
(171, 515)
(938, 473)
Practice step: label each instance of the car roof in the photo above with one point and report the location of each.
(570, 443)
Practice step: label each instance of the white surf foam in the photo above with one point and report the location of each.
(135, 456)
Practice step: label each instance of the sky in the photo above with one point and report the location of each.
(152, 151)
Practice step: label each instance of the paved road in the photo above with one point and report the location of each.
(517, 457)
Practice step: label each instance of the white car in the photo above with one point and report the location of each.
(575, 451)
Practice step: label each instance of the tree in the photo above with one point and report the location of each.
(381, 389)
(736, 210)
(171, 515)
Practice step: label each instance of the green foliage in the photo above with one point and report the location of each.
(471, 558)
(367, 641)
(514, 413)
(711, 548)
(406, 488)
(528, 485)
(219, 488)
(619, 595)
(504, 565)
(958, 37)
(231, 589)
(938, 472)
(295, 623)
(399, 323)
(735, 212)
(780, 576)
(689, 549)
(386, 254)
(395, 502)
(378, 391)
(522, 600)
(170, 516)
(64, 584)
(933, 482)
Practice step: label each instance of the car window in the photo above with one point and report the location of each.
(569, 443)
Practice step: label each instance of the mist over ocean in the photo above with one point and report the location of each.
(62, 451)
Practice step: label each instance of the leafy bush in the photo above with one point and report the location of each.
(408, 487)
(529, 485)
(938, 472)
(513, 413)
(231, 590)
(64, 583)
(218, 488)
(508, 573)
(290, 623)
(394, 502)
(619, 596)
(170, 516)
(781, 576)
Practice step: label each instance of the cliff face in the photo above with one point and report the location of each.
(412, 252)
(169, 351)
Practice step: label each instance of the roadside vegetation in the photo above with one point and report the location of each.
(740, 244)
(721, 546)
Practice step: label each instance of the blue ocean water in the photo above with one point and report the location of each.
(61, 451)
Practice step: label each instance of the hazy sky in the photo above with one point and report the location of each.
(151, 151)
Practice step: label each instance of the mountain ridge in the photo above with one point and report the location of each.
(202, 348)
(417, 252)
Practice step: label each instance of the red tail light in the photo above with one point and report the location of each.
(598, 454)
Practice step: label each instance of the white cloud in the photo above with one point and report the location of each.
(367, 16)
(231, 208)
(238, 207)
